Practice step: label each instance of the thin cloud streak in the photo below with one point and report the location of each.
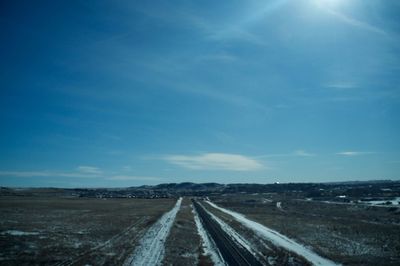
(342, 85)
(84, 172)
(47, 174)
(89, 170)
(354, 22)
(237, 30)
(354, 153)
(303, 153)
(215, 161)
(131, 177)
(296, 153)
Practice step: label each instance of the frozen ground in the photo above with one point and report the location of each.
(19, 233)
(386, 203)
(183, 245)
(38, 230)
(151, 247)
(279, 206)
(233, 234)
(277, 238)
(208, 244)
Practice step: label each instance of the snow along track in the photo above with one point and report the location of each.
(232, 233)
(208, 244)
(277, 238)
(232, 251)
(151, 247)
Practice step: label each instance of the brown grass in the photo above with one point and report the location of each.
(183, 245)
(349, 234)
(77, 230)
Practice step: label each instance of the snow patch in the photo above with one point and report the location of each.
(208, 244)
(19, 233)
(277, 238)
(264, 200)
(389, 203)
(151, 247)
(232, 233)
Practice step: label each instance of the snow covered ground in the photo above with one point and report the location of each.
(208, 244)
(232, 233)
(19, 233)
(277, 238)
(151, 247)
(279, 205)
(394, 202)
(264, 200)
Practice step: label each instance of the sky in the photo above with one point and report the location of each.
(128, 93)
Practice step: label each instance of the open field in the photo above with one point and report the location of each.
(289, 224)
(351, 234)
(63, 231)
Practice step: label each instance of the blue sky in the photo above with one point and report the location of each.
(123, 93)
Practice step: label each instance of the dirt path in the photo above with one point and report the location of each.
(183, 246)
(151, 248)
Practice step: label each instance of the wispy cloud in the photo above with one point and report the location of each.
(127, 168)
(216, 161)
(296, 153)
(217, 29)
(354, 153)
(352, 21)
(132, 177)
(217, 57)
(81, 172)
(46, 173)
(238, 29)
(236, 33)
(89, 170)
(303, 153)
(342, 85)
(218, 94)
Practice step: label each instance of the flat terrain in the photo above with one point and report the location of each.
(64, 231)
(265, 252)
(296, 225)
(183, 246)
(352, 234)
(232, 252)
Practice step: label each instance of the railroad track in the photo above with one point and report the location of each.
(233, 253)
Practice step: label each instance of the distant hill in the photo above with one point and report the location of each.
(315, 190)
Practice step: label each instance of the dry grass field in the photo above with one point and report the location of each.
(64, 231)
(44, 229)
(183, 246)
(352, 234)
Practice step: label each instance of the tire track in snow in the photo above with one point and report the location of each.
(151, 247)
(277, 238)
